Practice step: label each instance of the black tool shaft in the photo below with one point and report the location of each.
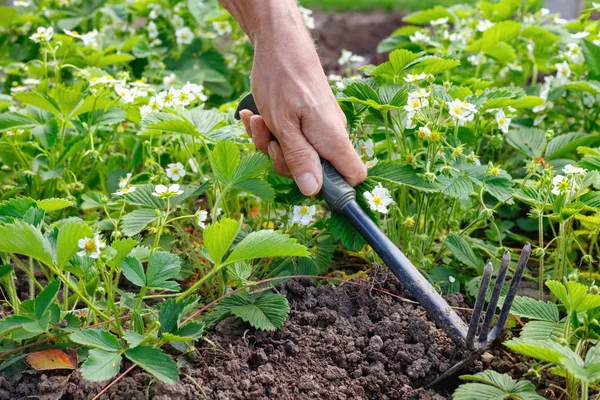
(439, 310)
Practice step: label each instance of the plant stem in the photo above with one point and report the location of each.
(541, 260)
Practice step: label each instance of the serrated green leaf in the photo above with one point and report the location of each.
(426, 16)
(162, 267)
(500, 188)
(135, 221)
(533, 309)
(239, 271)
(134, 271)
(219, 236)
(133, 338)
(23, 238)
(50, 205)
(155, 362)
(67, 242)
(503, 31)
(168, 316)
(267, 313)
(225, 159)
(266, 243)
(548, 350)
(101, 365)
(250, 167)
(97, 338)
(562, 145)
(491, 385)
(529, 141)
(398, 60)
(122, 247)
(463, 252)
(39, 100)
(257, 187)
(543, 330)
(13, 120)
(143, 197)
(458, 187)
(402, 175)
(591, 54)
(46, 298)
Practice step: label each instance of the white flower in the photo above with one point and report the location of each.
(418, 94)
(563, 71)
(145, 111)
(303, 214)
(461, 110)
(169, 81)
(168, 97)
(484, 25)
(348, 57)
(221, 27)
(503, 122)
(572, 170)
(123, 182)
(202, 216)
(196, 90)
(31, 82)
(356, 59)
(90, 246)
(183, 98)
(379, 199)
(580, 35)
(544, 12)
(560, 21)
(514, 66)
(574, 53)
(415, 77)
(309, 21)
(538, 120)
(451, 279)
(42, 34)
(127, 95)
(366, 147)
(334, 78)
(438, 22)
(124, 190)
(18, 89)
(371, 163)
(560, 184)
(21, 3)
(106, 79)
(177, 21)
(152, 30)
(163, 191)
(175, 171)
(415, 104)
(596, 6)
(420, 38)
(424, 132)
(89, 39)
(409, 121)
(184, 35)
(194, 166)
(477, 59)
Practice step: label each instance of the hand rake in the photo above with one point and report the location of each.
(341, 198)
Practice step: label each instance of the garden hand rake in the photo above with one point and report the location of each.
(341, 198)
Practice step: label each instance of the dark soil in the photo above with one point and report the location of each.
(357, 32)
(343, 342)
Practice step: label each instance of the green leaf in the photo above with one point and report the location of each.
(219, 236)
(135, 222)
(591, 54)
(342, 230)
(97, 338)
(163, 266)
(5, 270)
(143, 197)
(7, 15)
(168, 315)
(53, 204)
(398, 60)
(134, 271)
(122, 247)
(491, 385)
(39, 100)
(563, 145)
(23, 238)
(205, 120)
(167, 124)
(46, 298)
(266, 243)
(402, 175)
(101, 365)
(458, 187)
(250, 167)
(533, 309)
(267, 312)
(68, 239)
(463, 252)
(239, 271)
(155, 362)
(543, 330)
(548, 350)
(424, 17)
(13, 120)
(574, 296)
(114, 59)
(133, 338)
(257, 187)
(504, 31)
(499, 187)
(225, 159)
(529, 141)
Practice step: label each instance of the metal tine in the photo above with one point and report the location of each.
(510, 297)
(491, 309)
(479, 303)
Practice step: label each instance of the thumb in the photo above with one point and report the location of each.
(302, 161)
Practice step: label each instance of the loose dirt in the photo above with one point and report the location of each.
(343, 342)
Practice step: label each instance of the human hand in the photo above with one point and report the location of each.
(298, 107)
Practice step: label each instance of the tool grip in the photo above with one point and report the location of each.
(335, 190)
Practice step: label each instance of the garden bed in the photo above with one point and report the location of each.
(353, 341)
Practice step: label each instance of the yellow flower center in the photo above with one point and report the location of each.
(501, 121)
(416, 103)
(304, 210)
(377, 200)
(175, 170)
(457, 110)
(90, 246)
(495, 171)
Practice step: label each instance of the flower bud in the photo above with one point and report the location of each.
(594, 289)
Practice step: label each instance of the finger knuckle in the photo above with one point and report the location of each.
(298, 156)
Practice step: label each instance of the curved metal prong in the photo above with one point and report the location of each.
(512, 292)
(491, 309)
(479, 303)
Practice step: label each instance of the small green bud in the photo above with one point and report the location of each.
(573, 276)
(429, 177)
(430, 78)
(157, 213)
(549, 134)
(594, 289)
(447, 84)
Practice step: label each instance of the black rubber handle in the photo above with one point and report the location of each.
(335, 190)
